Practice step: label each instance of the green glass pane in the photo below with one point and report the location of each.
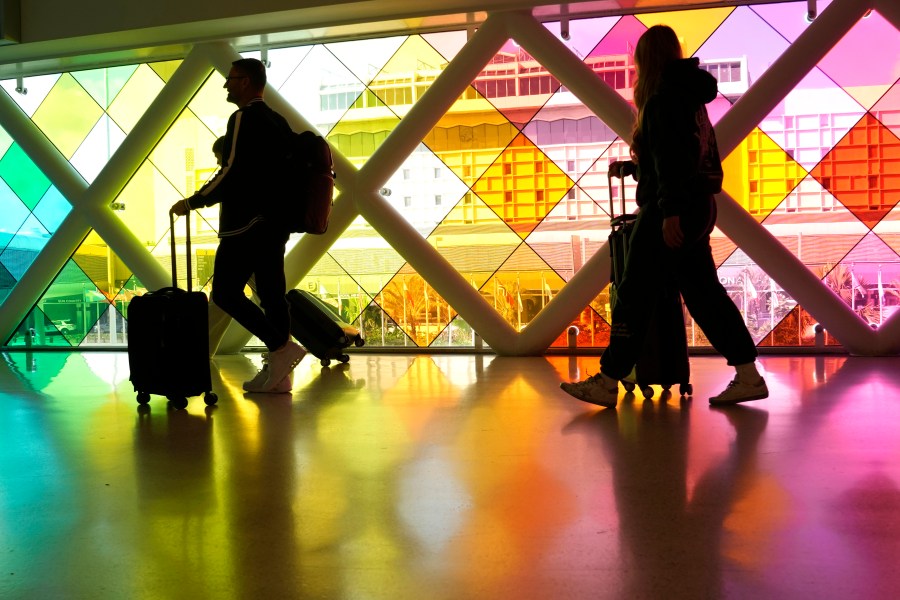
(39, 330)
(52, 209)
(457, 334)
(73, 303)
(7, 281)
(12, 212)
(23, 176)
(184, 155)
(104, 84)
(24, 247)
(210, 106)
(135, 97)
(67, 115)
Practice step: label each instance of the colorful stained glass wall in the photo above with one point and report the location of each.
(509, 186)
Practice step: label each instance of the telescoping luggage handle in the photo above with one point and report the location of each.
(187, 247)
(621, 177)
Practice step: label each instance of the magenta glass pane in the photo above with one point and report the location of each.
(789, 18)
(584, 33)
(868, 279)
(887, 109)
(743, 36)
(850, 63)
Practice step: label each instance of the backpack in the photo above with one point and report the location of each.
(308, 183)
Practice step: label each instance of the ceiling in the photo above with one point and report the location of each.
(317, 21)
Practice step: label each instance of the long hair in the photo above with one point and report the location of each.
(656, 48)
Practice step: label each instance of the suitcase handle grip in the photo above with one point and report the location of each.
(187, 246)
(621, 176)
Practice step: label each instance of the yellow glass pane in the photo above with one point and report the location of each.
(366, 256)
(135, 97)
(474, 239)
(416, 307)
(146, 201)
(101, 265)
(67, 115)
(363, 128)
(165, 69)
(522, 287)
(184, 155)
(692, 26)
(522, 185)
(210, 106)
(759, 174)
(408, 74)
(330, 282)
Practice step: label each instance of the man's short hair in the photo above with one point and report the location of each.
(254, 69)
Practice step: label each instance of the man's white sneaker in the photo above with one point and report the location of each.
(258, 382)
(741, 391)
(286, 385)
(283, 361)
(597, 389)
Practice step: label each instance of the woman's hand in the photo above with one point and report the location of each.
(621, 168)
(673, 236)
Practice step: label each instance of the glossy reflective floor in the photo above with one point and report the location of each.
(448, 477)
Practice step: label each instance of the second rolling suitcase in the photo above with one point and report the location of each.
(318, 326)
(664, 359)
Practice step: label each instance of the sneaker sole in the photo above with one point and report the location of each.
(713, 402)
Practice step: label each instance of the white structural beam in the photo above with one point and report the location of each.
(401, 142)
(616, 113)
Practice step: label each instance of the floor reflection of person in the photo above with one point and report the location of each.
(671, 534)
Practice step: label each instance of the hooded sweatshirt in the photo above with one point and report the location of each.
(679, 166)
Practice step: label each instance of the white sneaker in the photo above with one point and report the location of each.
(256, 384)
(283, 361)
(597, 389)
(285, 386)
(741, 391)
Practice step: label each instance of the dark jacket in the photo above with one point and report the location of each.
(243, 187)
(679, 166)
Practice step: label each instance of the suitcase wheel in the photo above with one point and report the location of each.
(210, 398)
(359, 341)
(628, 385)
(344, 358)
(143, 397)
(325, 362)
(179, 402)
(343, 341)
(648, 392)
(686, 389)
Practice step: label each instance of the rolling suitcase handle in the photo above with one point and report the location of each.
(612, 208)
(187, 245)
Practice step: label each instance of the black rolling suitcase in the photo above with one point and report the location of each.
(168, 339)
(320, 329)
(664, 359)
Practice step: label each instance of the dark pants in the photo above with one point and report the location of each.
(258, 252)
(650, 263)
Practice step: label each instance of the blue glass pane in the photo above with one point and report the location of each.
(52, 209)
